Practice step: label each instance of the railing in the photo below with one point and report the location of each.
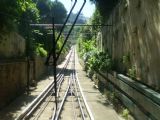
(135, 96)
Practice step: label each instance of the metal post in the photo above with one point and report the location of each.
(28, 74)
(54, 62)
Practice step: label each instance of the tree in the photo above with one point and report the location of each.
(16, 15)
(95, 20)
(48, 8)
(30, 15)
(59, 12)
(105, 6)
(44, 7)
(11, 12)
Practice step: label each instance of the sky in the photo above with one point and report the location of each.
(87, 10)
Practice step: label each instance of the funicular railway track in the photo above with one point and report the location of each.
(71, 102)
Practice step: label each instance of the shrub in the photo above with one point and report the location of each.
(99, 61)
(40, 51)
(132, 72)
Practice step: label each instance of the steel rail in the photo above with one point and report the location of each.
(72, 92)
(75, 115)
(29, 110)
(72, 80)
(78, 95)
(56, 117)
(57, 114)
(76, 89)
(72, 99)
(61, 78)
(79, 101)
(48, 100)
(34, 104)
(59, 84)
(83, 97)
(42, 108)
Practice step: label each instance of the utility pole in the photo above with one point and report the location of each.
(54, 62)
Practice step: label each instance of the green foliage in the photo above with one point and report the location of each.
(40, 51)
(86, 33)
(44, 7)
(94, 60)
(105, 61)
(125, 113)
(60, 43)
(91, 61)
(132, 72)
(59, 12)
(11, 13)
(99, 61)
(48, 9)
(30, 15)
(126, 59)
(96, 19)
(86, 46)
(105, 6)
(17, 15)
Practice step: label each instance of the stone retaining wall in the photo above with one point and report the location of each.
(135, 34)
(13, 77)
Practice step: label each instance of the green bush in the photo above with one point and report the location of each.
(93, 59)
(40, 51)
(125, 114)
(99, 61)
(132, 72)
(86, 46)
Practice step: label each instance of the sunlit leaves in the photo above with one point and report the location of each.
(11, 12)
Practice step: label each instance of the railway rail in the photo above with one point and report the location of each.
(71, 101)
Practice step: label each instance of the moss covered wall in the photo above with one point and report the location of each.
(136, 34)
